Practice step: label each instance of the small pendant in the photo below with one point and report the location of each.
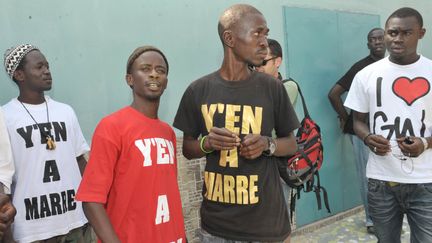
(50, 143)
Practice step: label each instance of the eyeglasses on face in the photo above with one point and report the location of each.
(267, 60)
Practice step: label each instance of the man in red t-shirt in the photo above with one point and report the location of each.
(129, 189)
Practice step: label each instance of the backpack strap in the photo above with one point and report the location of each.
(324, 191)
(318, 189)
(295, 195)
(313, 167)
(318, 196)
(292, 204)
(305, 110)
(326, 202)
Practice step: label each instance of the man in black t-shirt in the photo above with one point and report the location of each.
(375, 44)
(228, 116)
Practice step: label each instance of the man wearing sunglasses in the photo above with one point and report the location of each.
(271, 65)
(273, 60)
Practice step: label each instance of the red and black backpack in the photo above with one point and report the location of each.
(302, 169)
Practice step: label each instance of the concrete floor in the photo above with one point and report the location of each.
(350, 229)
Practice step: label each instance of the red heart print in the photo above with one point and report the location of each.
(410, 90)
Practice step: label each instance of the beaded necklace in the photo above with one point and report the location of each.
(49, 139)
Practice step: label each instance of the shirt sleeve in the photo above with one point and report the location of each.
(174, 139)
(357, 98)
(187, 117)
(292, 90)
(286, 119)
(347, 79)
(80, 144)
(99, 173)
(7, 168)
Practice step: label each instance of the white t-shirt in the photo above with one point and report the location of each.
(6, 164)
(399, 103)
(45, 181)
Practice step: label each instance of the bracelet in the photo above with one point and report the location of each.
(364, 139)
(5, 189)
(425, 143)
(202, 145)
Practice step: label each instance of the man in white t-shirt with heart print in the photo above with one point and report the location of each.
(395, 91)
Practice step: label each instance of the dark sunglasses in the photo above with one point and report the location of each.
(266, 61)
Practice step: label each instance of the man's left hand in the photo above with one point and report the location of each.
(7, 213)
(253, 145)
(411, 150)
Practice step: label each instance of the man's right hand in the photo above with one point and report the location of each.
(378, 144)
(7, 213)
(221, 139)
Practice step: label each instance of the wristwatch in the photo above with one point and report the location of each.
(271, 147)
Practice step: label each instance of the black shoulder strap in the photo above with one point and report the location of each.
(305, 110)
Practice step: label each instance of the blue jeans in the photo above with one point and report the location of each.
(388, 204)
(206, 237)
(361, 154)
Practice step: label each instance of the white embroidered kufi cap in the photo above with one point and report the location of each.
(14, 55)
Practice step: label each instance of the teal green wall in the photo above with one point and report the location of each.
(88, 42)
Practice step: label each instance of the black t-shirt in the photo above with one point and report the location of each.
(242, 199)
(346, 82)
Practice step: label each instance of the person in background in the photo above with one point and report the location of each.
(375, 44)
(271, 65)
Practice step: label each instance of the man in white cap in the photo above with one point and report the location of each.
(48, 149)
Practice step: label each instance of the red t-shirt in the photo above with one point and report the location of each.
(133, 171)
